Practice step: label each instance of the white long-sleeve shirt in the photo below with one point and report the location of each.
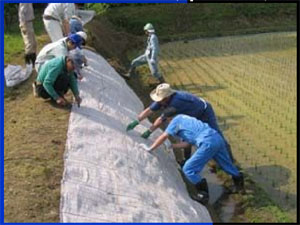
(50, 51)
(60, 11)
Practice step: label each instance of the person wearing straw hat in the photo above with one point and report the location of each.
(210, 145)
(56, 77)
(184, 103)
(150, 56)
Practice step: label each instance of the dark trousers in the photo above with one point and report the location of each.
(61, 86)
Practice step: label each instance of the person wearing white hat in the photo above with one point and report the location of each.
(150, 56)
(210, 145)
(165, 97)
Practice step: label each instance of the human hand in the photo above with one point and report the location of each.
(145, 147)
(146, 134)
(132, 125)
(61, 101)
(152, 61)
(78, 100)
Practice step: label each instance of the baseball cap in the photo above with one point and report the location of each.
(76, 39)
(78, 59)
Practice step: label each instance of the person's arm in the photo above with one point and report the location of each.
(66, 27)
(147, 112)
(159, 141)
(50, 79)
(155, 47)
(156, 124)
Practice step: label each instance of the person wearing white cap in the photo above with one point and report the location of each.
(165, 97)
(57, 76)
(58, 48)
(150, 56)
(56, 19)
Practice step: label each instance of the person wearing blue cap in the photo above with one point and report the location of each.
(56, 77)
(58, 48)
(210, 145)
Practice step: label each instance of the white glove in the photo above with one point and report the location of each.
(145, 147)
(152, 61)
(168, 144)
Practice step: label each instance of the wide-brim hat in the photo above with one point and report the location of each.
(161, 91)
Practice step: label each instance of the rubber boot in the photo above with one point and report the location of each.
(27, 58)
(202, 196)
(32, 59)
(238, 184)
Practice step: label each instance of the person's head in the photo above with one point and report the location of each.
(74, 61)
(74, 41)
(169, 113)
(83, 36)
(162, 93)
(148, 28)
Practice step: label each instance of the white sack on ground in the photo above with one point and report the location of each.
(86, 15)
(15, 74)
(107, 178)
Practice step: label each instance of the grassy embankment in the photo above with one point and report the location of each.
(35, 132)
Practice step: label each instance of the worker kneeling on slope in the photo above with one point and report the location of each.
(210, 145)
(56, 77)
(184, 103)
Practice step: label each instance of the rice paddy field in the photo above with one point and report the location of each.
(251, 81)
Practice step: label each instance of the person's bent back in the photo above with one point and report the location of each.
(56, 77)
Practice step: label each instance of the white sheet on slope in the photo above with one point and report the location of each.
(107, 178)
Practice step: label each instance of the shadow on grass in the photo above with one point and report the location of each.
(271, 178)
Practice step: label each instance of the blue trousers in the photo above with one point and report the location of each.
(209, 117)
(212, 147)
(143, 59)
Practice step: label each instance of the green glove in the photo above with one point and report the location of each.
(146, 134)
(132, 125)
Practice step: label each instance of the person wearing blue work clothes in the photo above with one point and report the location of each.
(75, 24)
(210, 145)
(184, 103)
(150, 56)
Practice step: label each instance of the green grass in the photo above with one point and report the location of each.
(179, 21)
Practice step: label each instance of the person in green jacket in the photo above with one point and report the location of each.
(56, 77)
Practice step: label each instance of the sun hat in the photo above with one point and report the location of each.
(76, 39)
(162, 91)
(78, 59)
